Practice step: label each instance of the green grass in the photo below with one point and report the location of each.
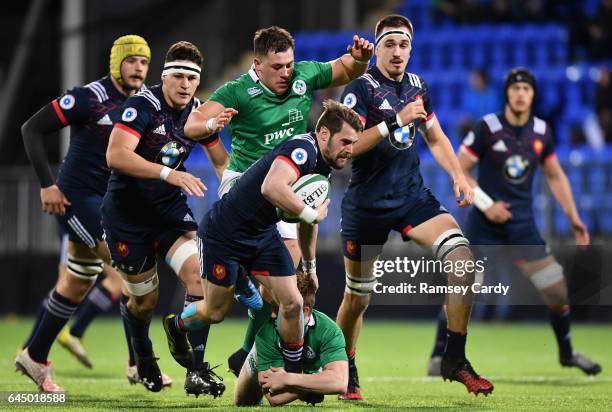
(521, 361)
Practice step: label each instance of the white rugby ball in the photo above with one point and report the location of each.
(312, 189)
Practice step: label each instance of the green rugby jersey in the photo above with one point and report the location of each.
(323, 343)
(264, 118)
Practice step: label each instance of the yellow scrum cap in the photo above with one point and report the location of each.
(124, 47)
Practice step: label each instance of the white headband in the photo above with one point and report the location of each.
(181, 67)
(390, 32)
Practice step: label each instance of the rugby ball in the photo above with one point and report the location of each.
(312, 189)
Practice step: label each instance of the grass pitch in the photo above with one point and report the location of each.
(521, 361)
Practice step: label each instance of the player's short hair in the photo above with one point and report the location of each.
(307, 287)
(394, 21)
(334, 116)
(183, 50)
(272, 39)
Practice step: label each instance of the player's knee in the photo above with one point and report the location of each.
(357, 292)
(357, 304)
(85, 269)
(143, 294)
(182, 262)
(452, 249)
(549, 281)
(291, 306)
(215, 316)
(143, 306)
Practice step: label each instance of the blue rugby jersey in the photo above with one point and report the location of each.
(159, 128)
(90, 111)
(387, 176)
(244, 208)
(507, 162)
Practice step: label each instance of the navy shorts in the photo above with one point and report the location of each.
(521, 238)
(365, 231)
(134, 241)
(222, 254)
(82, 219)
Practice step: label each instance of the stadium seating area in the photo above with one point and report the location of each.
(444, 55)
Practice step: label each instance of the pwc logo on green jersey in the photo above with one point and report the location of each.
(278, 135)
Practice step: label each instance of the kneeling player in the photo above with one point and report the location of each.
(240, 229)
(325, 364)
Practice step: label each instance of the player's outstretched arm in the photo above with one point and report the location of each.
(348, 67)
(33, 131)
(561, 190)
(276, 188)
(218, 156)
(121, 157)
(442, 150)
(332, 380)
(207, 120)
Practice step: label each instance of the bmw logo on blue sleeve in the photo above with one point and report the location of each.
(129, 114)
(403, 138)
(299, 156)
(67, 102)
(171, 155)
(350, 100)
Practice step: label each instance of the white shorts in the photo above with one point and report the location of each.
(229, 178)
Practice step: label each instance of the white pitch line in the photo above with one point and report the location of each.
(414, 379)
(526, 379)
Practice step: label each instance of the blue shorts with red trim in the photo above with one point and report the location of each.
(222, 253)
(134, 241)
(365, 231)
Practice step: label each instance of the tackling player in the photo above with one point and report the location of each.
(145, 213)
(267, 106)
(75, 199)
(507, 147)
(386, 192)
(240, 230)
(325, 364)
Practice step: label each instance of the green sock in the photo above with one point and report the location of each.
(256, 320)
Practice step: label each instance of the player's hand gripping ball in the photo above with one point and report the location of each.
(312, 189)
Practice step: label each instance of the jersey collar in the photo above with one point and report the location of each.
(256, 79)
(381, 78)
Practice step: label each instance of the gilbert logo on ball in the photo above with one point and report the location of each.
(312, 189)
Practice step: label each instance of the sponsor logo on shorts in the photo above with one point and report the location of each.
(67, 102)
(351, 247)
(219, 271)
(122, 248)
